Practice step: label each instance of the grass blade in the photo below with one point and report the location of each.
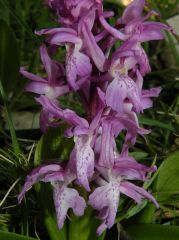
(13, 236)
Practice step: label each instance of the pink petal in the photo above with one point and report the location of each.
(67, 115)
(82, 5)
(47, 62)
(57, 36)
(106, 199)
(153, 92)
(64, 199)
(133, 11)
(149, 35)
(101, 229)
(133, 94)
(107, 139)
(62, 38)
(113, 31)
(83, 64)
(131, 193)
(146, 103)
(60, 91)
(116, 94)
(77, 64)
(94, 50)
(31, 76)
(37, 87)
(137, 193)
(52, 31)
(45, 117)
(54, 70)
(84, 163)
(40, 174)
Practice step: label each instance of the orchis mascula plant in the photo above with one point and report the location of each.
(110, 85)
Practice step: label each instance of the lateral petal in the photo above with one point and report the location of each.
(68, 115)
(40, 174)
(32, 76)
(137, 193)
(95, 51)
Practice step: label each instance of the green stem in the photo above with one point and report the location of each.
(45, 197)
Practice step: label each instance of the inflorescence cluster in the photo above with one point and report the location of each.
(109, 82)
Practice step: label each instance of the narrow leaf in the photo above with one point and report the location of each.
(155, 123)
(13, 236)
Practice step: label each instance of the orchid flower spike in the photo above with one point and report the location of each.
(109, 85)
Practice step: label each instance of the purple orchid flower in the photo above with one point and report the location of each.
(134, 26)
(70, 11)
(111, 127)
(133, 56)
(77, 63)
(64, 196)
(67, 115)
(53, 86)
(83, 154)
(123, 89)
(112, 182)
(85, 139)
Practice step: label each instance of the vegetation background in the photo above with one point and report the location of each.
(19, 138)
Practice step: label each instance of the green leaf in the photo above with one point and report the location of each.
(9, 57)
(54, 146)
(152, 231)
(53, 231)
(155, 123)
(13, 236)
(147, 214)
(139, 155)
(167, 182)
(136, 209)
(132, 211)
(165, 186)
